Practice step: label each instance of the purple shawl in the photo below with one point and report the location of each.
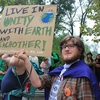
(79, 69)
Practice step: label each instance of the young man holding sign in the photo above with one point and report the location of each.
(72, 81)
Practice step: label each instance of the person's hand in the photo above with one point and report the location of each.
(4, 73)
(1, 55)
(52, 57)
(97, 65)
(21, 54)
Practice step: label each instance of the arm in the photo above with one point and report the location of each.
(54, 56)
(34, 77)
(15, 62)
(11, 60)
(1, 72)
(6, 58)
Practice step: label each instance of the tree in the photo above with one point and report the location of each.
(84, 12)
(64, 6)
(69, 13)
(94, 14)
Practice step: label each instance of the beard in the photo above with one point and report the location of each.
(71, 59)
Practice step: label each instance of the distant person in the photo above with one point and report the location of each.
(45, 65)
(73, 80)
(34, 59)
(97, 68)
(53, 60)
(90, 61)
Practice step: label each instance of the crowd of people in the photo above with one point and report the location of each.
(94, 65)
(75, 79)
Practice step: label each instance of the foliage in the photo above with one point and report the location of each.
(68, 13)
(62, 7)
(93, 14)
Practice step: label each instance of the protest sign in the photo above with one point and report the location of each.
(29, 27)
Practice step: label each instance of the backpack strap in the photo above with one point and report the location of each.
(17, 92)
(27, 78)
(14, 69)
(20, 92)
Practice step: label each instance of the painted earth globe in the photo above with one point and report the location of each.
(47, 17)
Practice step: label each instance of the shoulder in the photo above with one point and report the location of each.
(77, 81)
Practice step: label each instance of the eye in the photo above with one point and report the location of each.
(63, 47)
(71, 45)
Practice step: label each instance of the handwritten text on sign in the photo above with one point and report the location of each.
(29, 27)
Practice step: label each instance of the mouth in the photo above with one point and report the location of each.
(67, 53)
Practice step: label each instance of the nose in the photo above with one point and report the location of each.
(66, 48)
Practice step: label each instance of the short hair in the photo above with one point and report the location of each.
(77, 41)
(45, 59)
(89, 53)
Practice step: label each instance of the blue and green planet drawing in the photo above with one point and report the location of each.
(47, 17)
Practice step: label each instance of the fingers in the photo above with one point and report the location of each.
(1, 54)
(20, 53)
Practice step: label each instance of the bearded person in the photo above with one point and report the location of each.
(71, 81)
